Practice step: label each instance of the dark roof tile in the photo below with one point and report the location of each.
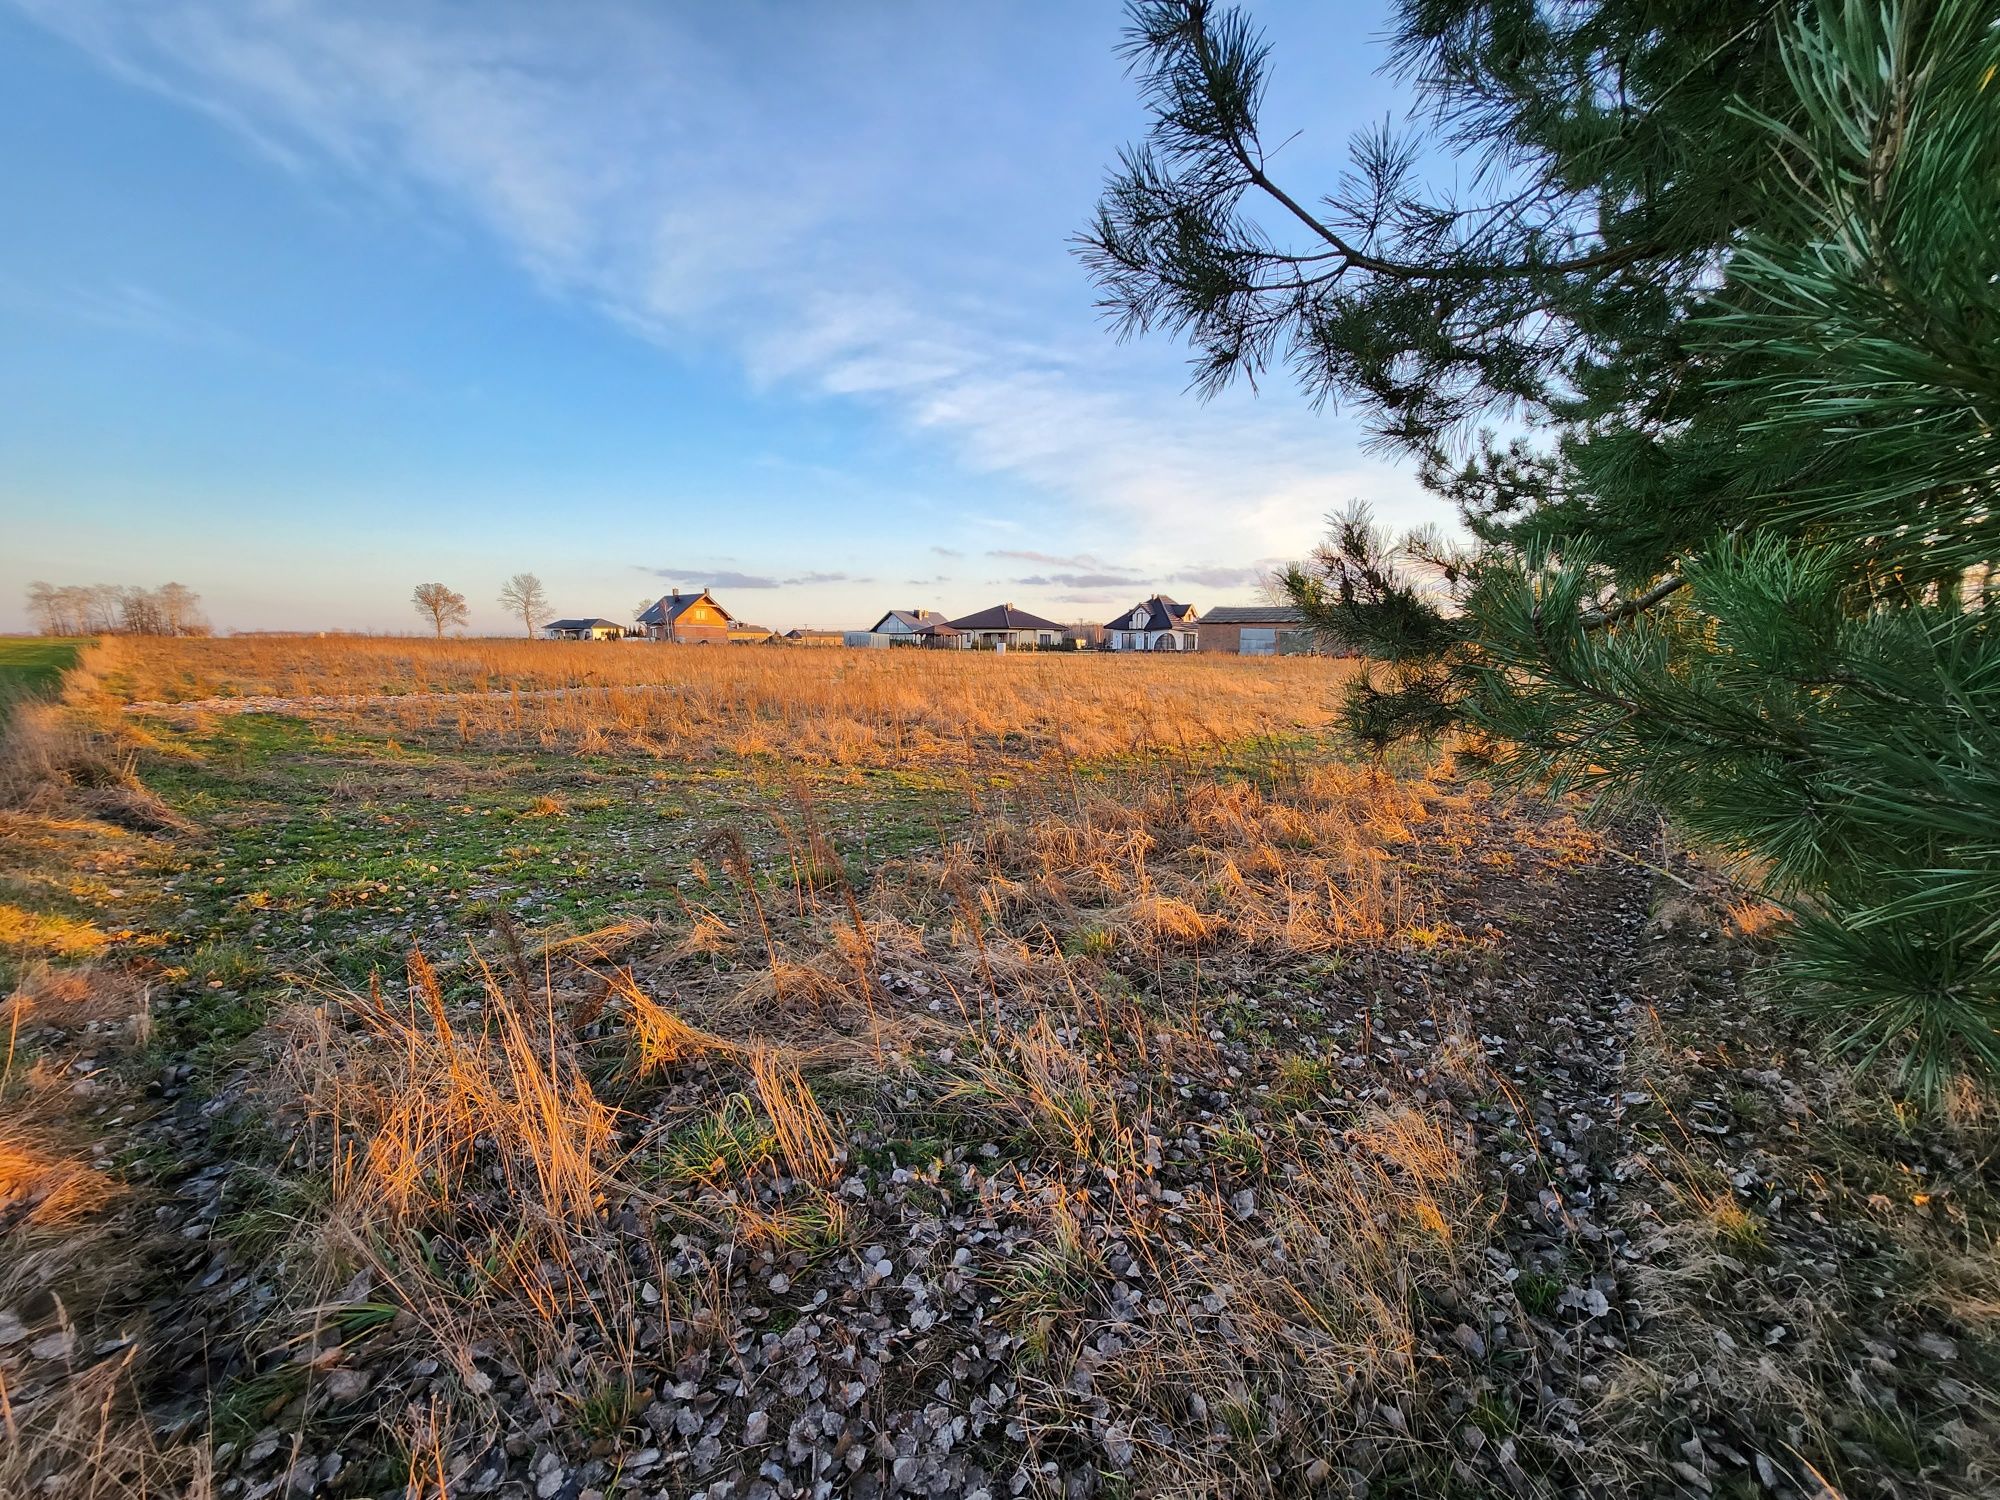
(1253, 614)
(668, 608)
(1162, 613)
(1004, 617)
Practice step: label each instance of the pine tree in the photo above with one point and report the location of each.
(1735, 290)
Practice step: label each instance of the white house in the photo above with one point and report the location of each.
(585, 630)
(1002, 626)
(1158, 624)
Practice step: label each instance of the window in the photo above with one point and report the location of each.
(1257, 641)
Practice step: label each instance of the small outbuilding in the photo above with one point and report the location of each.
(1256, 630)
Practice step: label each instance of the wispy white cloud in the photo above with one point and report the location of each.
(122, 307)
(859, 210)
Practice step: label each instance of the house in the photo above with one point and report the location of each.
(1155, 624)
(899, 627)
(741, 634)
(804, 637)
(585, 630)
(1256, 630)
(691, 619)
(1002, 626)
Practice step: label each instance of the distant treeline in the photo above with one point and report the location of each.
(115, 609)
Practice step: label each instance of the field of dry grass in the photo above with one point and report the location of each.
(778, 1073)
(843, 706)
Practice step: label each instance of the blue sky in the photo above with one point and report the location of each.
(302, 304)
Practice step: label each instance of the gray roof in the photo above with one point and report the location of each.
(915, 619)
(1162, 613)
(582, 625)
(668, 608)
(1253, 614)
(1004, 617)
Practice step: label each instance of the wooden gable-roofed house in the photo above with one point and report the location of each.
(689, 619)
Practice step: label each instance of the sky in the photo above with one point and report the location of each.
(302, 304)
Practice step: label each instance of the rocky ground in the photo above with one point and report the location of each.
(1037, 1166)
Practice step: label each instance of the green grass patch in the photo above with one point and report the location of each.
(722, 1148)
(32, 666)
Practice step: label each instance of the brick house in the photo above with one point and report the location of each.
(1255, 630)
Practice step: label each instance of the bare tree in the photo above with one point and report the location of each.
(47, 608)
(139, 613)
(180, 609)
(100, 606)
(106, 609)
(440, 605)
(523, 595)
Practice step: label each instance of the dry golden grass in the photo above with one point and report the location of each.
(466, 1137)
(74, 997)
(1305, 1321)
(72, 1423)
(465, 1160)
(87, 1440)
(407, 1114)
(804, 1137)
(663, 1039)
(1114, 1013)
(75, 760)
(43, 1182)
(839, 706)
(503, 1150)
